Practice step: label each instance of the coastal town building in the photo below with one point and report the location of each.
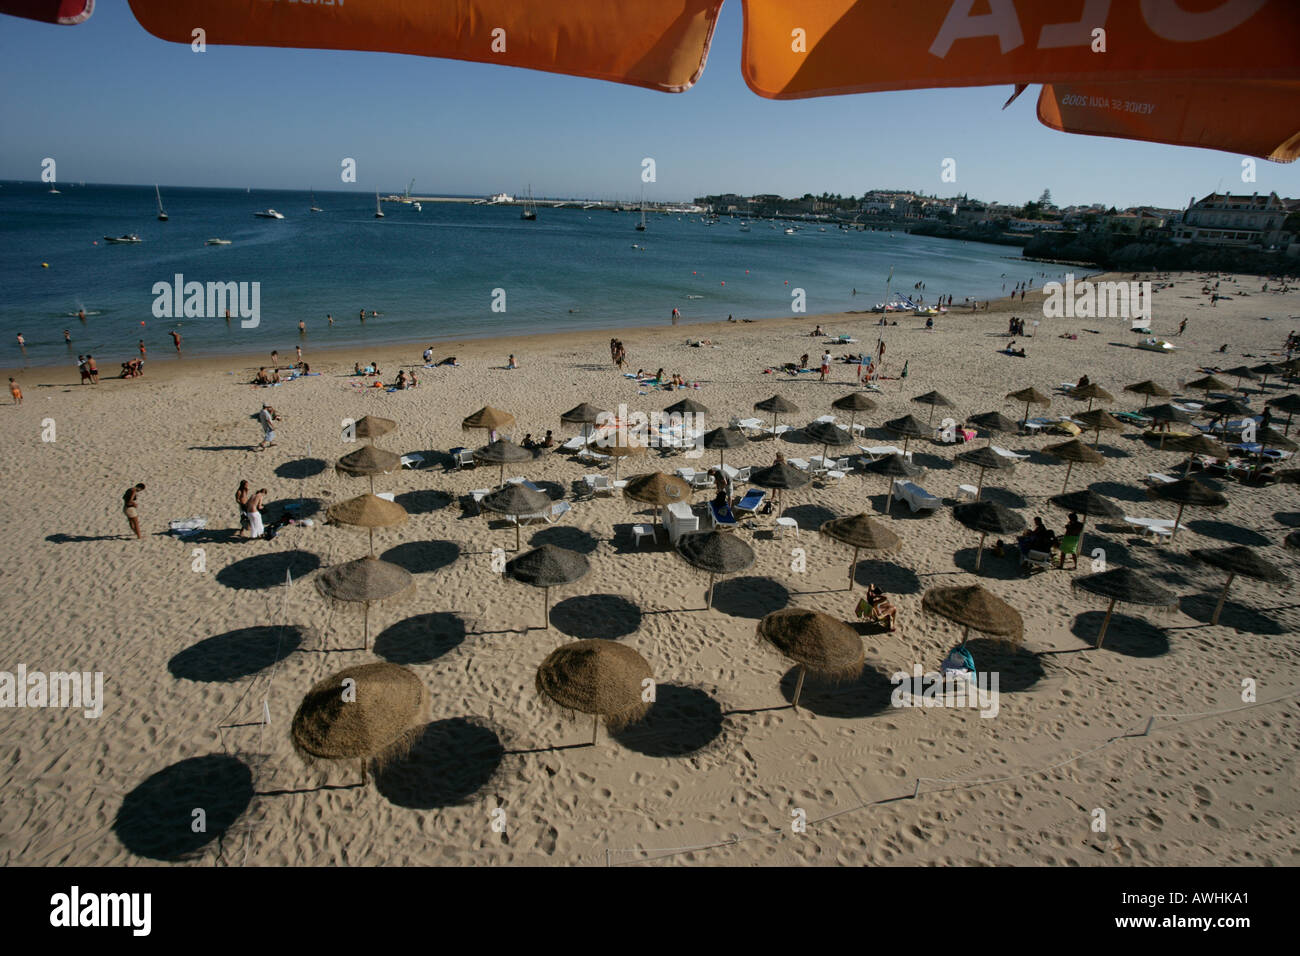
(1224, 219)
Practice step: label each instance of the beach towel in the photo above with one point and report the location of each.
(255, 528)
(187, 527)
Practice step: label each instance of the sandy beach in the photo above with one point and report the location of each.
(187, 632)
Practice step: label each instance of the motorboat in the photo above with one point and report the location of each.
(129, 238)
(217, 242)
(269, 214)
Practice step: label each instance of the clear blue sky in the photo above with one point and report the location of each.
(111, 103)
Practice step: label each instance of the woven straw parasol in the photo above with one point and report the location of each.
(779, 476)
(724, 438)
(597, 677)
(619, 452)
(1030, 396)
(1225, 408)
(984, 459)
(895, 466)
(1090, 505)
(1197, 444)
(1267, 369)
(687, 406)
(547, 567)
(368, 461)
(502, 452)
(1148, 390)
(1097, 419)
(907, 428)
(489, 418)
(1286, 403)
(987, 517)
(517, 500)
(853, 403)
(1208, 384)
(1093, 393)
(829, 434)
(1242, 374)
(1168, 414)
(584, 415)
(1072, 452)
(369, 512)
(994, 422)
(1239, 560)
(777, 406)
(860, 532)
(934, 400)
(816, 642)
(976, 609)
(372, 427)
(1124, 585)
(362, 713)
(1187, 491)
(716, 552)
(657, 489)
(364, 581)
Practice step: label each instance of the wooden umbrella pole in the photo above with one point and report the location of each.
(546, 609)
(372, 542)
(1177, 521)
(1218, 608)
(709, 601)
(1068, 466)
(980, 553)
(364, 777)
(889, 497)
(798, 688)
(980, 487)
(853, 568)
(1078, 547)
(517, 525)
(1105, 623)
(595, 728)
(365, 639)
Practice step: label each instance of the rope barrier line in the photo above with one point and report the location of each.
(960, 784)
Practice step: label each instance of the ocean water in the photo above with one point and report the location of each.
(431, 273)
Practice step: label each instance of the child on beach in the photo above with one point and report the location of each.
(16, 392)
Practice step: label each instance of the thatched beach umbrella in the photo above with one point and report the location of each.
(502, 452)
(716, 552)
(372, 427)
(1192, 445)
(515, 499)
(1208, 384)
(657, 489)
(362, 713)
(829, 434)
(1226, 408)
(547, 567)
(489, 418)
(976, 609)
(368, 461)
(1187, 491)
(907, 428)
(1148, 390)
(364, 581)
(724, 438)
(777, 406)
(984, 459)
(1097, 419)
(1240, 373)
(815, 641)
(687, 406)
(895, 466)
(1072, 452)
(853, 403)
(1093, 393)
(779, 476)
(860, 532)
(1167, 414)
(1030, 396)
(369, 512)
(1239, 560)
(1286, 403)
(1125, 586)
(987, 517)
(1267, 369)
(934, 400)
(994, 423)
(619, 452)
(1089, 504)
(598, 677)
(584, 415)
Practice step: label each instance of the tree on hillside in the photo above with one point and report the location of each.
(1046, 198)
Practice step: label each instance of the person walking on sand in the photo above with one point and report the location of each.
(268, 417)
(129, 508)
(1181, 327)
(92, 369)
(826, 365)
(299, 348)
(176, 340)
(16, 392)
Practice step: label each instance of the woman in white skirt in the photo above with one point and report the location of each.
(254, 513)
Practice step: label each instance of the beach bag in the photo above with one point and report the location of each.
(959, 663)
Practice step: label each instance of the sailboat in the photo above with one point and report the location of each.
(379, 213)
(530, 209)
(314, 207)
(640, 226)
(162, 213)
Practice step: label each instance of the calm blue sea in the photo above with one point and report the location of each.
(431, 272)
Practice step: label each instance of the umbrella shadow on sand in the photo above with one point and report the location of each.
(1006, 568)
(567, 537)
(302, 468)
(1127, 635)
(300, 507)
(1118, 491)
(239, 653)
(422, 557)
(866, 695)
(810, 517)
(267, 570)
(608, 616)
(1003, 497)
(1225, 531)
(1288, 519)
(683, 721)
(1239, 617)
(889, 577)
(424, 501)
(421, 639)
(448, 762)
(156, 818)
(1017, 668)
(750, 597)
